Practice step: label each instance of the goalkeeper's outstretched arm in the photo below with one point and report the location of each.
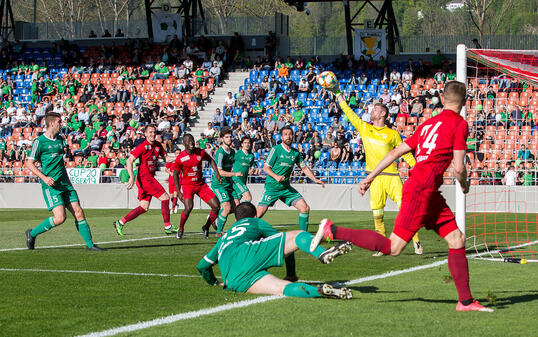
(354, 119)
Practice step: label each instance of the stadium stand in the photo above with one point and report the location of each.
(107, 94)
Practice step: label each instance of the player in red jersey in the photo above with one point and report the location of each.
(188, 167)
(169, 168)
(149, 153)
(437, 142)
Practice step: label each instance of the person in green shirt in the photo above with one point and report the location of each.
(243, 161)
(93, 159)
(161, 71)
(58, 192)
(471, 142)
(527, 178)
(76, 126)
(298, 116)
(251, 246)
(224, 158)
(278, 167)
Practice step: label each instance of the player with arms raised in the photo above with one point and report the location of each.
(188, 177)
(149, 152)
(59, 194)
(378, 140)
(437, 142)
(243, 161)
(251, 246)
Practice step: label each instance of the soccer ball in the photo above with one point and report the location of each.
(327, 79)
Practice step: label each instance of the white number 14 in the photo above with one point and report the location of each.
(431, 138)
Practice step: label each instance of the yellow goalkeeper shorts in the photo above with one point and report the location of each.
(383, 186)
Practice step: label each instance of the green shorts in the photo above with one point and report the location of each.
(249, 261)
(288, 196)
(239, 188)
(65, 194)
(224, 194)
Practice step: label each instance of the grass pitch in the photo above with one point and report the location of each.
(67, 291)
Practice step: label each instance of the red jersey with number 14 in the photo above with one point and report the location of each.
(149, 155)
(190, 166)
(434, 142)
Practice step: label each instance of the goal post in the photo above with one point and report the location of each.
(500, 214)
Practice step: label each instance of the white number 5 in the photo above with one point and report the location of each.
(431, 138)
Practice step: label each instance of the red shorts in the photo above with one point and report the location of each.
(148, 187)
(171, 185)
(203, 191)
(423, 208)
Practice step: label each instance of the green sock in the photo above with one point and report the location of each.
(84, 231)
(290, 265)
(303, 239)
(303, 221)
(301, 290)
(47, 224)
(221, 221)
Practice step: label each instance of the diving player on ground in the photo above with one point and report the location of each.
(251, 246)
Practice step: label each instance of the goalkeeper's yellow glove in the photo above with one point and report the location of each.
(335, 89)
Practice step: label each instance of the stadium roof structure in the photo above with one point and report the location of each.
(385, 19)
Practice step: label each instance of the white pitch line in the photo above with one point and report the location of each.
(180, 317)
(102, 242)
(107, 242)
(97, 272)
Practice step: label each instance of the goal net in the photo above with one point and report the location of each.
(500, 213)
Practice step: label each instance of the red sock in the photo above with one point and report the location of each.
(165, 210)
(174, 202)
(212, 217)
(459, 269)
(133, 214)
(364, 238)
(183, 220)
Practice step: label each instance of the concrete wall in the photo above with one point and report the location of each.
(521, 199)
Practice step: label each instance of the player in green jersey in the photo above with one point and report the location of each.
(251, 246)
(59, 194)
(224, 158)
(243, 161)
(279, 166)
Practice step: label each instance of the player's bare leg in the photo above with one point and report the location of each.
(247, 196)
(304, 212)
(459, 269)
(260, 211)
(82, 226)
(213, 214)
(57, 218)
(142, 208)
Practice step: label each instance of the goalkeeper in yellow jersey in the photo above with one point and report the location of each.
(378, 140)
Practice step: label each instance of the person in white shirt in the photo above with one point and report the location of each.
(510, 177)
(229, 102)
(58, 108)
(214, 72)
(407, 76)
(83, 116)
(395, 76)
(11, 109)
(209, 132)
(396, 96)
(188, 63)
